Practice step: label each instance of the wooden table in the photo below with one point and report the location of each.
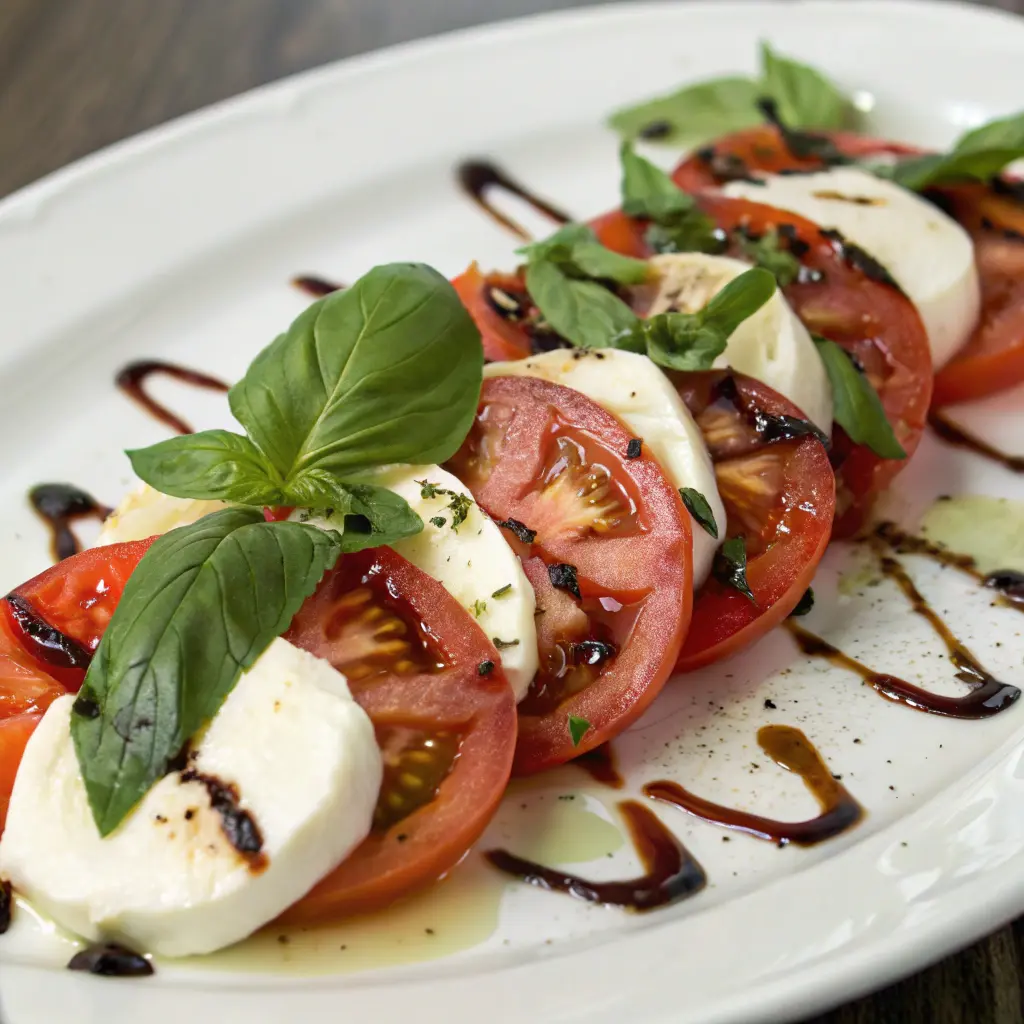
(76, 75)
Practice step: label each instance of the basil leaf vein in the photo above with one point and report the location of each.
(202, 605)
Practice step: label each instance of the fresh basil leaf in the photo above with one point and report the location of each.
(365, 516)
(647, 191)
(730, 567)
(698, 507)
(857, 407)
(575, 249)
(693, 114)
(977, 156)
(214, 464)
(804, 97)
(693, 341)
(768, 254)
(202, 605)
(583, 312)
(388, 370)
(578, 728)
(677, 224)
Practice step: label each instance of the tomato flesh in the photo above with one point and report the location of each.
(779, 496)
(444, 715)
(608, 551)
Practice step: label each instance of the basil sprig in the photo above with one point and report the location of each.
(693, 341)
(387, 371)
(857, 407)
(201, 606)
(804, 98)
(977, 155)
(768, 253)
(584, 311)
(677, 225)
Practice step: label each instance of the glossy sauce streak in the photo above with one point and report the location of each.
(1008, 582)
(790, 749)
(60, 505)
(952, 433)
(318, 287)
(670, 872)
(47, 643)
(600, 764)
(478, 177)
(132, 381)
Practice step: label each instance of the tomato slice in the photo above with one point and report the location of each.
(501, 308)
(445, 719)
(872, 320)
(606, 543)
(14, 736)
(763, 148)
(779, 496)
(993, 358)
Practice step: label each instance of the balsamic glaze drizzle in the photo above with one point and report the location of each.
(6, 903)
(478, 177)
(318, 287)
(47, 643)
(237, 824)
(670, 871)
(790, 749)
(132, 381)
(59, 505)
(111, 961)
(601, 765)
(952, 433)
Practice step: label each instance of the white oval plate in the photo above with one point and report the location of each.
(180, 244)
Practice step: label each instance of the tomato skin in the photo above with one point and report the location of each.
(14, 736)
(501, 338)
(724, 621)
(426, 844)
(868, 318)
(647, 570)
(993, 358)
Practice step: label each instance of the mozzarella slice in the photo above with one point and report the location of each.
(304, 764)
(146, 512)
(771, 346)
(473, 562)
(634, 390)
(928, 253)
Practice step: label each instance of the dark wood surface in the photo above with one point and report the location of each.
(76, 75)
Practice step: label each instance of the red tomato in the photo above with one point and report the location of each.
(872, 320)
(779, 496)
(763, 149)
(993, 358)
(445, 719)
(606, 543)
(14, 734)
(502, 327)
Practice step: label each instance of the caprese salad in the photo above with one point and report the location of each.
(471, 529)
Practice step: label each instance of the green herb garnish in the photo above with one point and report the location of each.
(804, 97)
(479, 607)
(730, 567)
(386, 371)
(578, 728)
(768, 253)
(203, 604)
(503, 591)
(856, 405)
(698, 507)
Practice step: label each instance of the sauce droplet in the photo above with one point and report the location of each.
(318, 287)
(670, 871)
(59, 505)
(478, 177)
(790, 749)
(952, 433)
(132, 381)
(112, 961)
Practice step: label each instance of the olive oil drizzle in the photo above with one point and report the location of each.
(790, 749)
(671, 873)
(477, 178)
